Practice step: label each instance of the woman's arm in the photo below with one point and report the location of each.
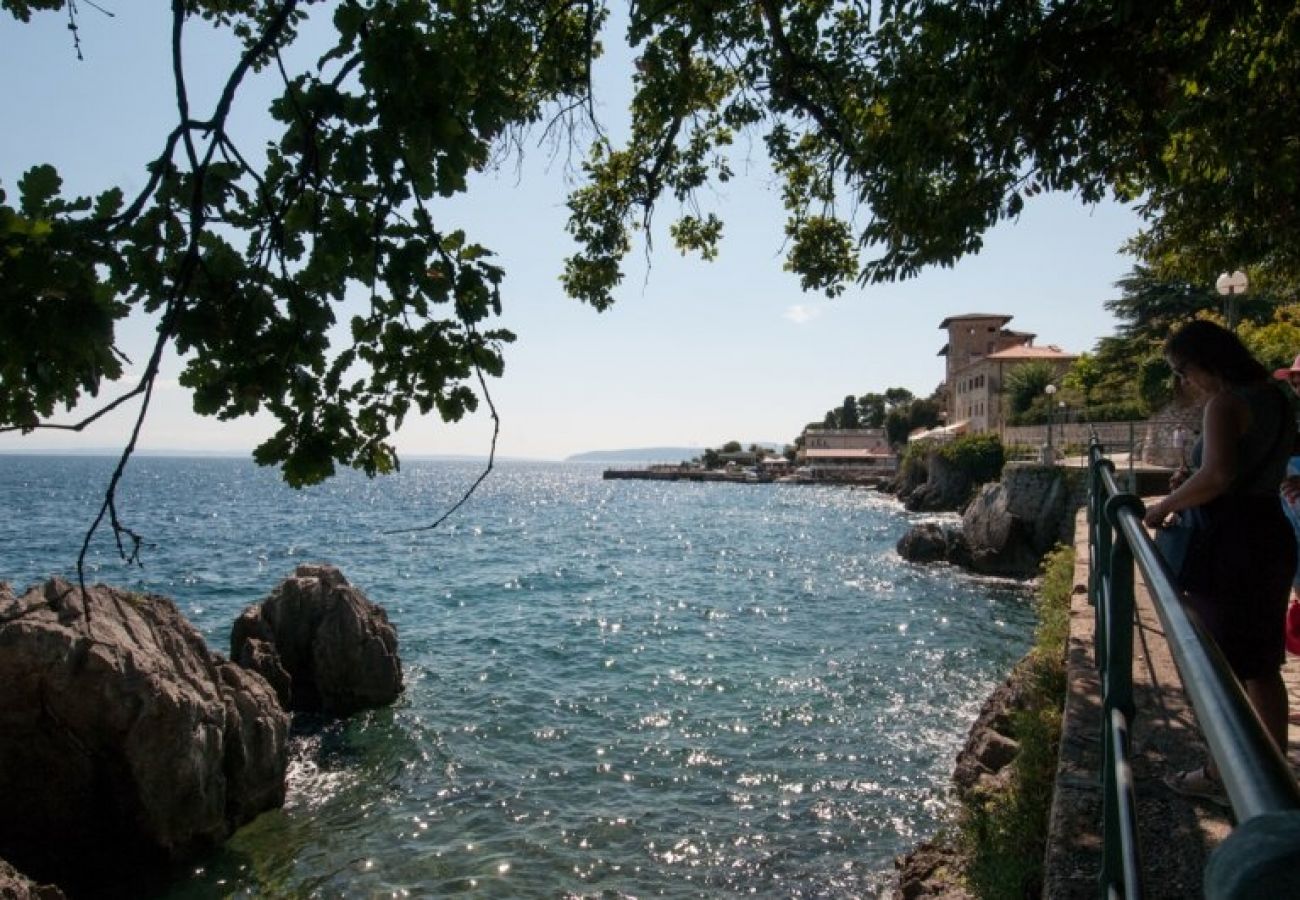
(1223, 424)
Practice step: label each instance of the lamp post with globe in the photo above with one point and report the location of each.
(1231, 286)
(1050, 390)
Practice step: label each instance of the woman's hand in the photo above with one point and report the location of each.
(1155, 515)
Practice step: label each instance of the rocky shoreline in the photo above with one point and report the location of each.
(105, 684)
(127, 747)
(1005, 530)
(935, 868)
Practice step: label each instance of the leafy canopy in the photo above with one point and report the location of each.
(246, 259)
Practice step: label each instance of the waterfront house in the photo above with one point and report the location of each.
(847, 453)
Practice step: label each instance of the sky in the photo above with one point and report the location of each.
(692, 354)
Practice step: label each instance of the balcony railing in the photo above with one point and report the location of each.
(1261, 858)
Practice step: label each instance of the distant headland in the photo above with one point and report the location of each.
(638, 454)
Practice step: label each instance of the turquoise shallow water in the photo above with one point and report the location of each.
(613, 688)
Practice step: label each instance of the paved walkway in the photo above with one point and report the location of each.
(1176, 834)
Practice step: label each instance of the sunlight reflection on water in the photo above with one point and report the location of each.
(630, 688)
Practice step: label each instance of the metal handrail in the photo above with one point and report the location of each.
(1265, 848)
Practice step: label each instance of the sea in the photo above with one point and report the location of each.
(613, 688)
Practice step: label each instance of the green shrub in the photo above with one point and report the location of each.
(1003, 834)
(1119, 411)
(981, 456)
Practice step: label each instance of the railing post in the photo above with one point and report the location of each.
(1132, 451)
(1117, 679)
(1116, 637)
(1102, 533)
(1120, 852)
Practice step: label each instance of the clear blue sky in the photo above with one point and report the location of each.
(692, 354)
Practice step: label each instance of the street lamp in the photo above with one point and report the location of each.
(1231, 286)
(1050, 390)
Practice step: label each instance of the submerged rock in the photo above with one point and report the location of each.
(123, 740)
(322, 643)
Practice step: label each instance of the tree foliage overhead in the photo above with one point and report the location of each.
(246, 254)
(1127, 376)
(938, 119)
(900, 133)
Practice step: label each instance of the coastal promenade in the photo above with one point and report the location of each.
(1176, 834)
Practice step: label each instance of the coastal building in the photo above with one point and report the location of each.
(846, 452)
(980, 352)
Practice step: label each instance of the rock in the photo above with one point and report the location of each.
(1011, 524)
(14, 885)
(931, 542)
(932, 871)
(336, 648)
(989, 748)
(909, 477)
(124, 742)
(994, 750)
(946, 487)
(259, 656)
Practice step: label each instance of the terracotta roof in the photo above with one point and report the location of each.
(1051, 351)
(1003, 318)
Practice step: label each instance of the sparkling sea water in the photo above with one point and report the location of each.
(613, 688)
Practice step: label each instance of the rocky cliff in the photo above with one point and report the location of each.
(1006, 529)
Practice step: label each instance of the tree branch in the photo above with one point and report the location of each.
(492, 454)
(189, 262)
(784, 84)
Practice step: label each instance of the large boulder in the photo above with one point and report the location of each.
(931, 542)
(326, 647)
(1012, 523)
(124, 742)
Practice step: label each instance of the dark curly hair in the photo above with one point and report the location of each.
(1216, 350)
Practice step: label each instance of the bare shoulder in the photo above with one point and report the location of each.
(1226, 411)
